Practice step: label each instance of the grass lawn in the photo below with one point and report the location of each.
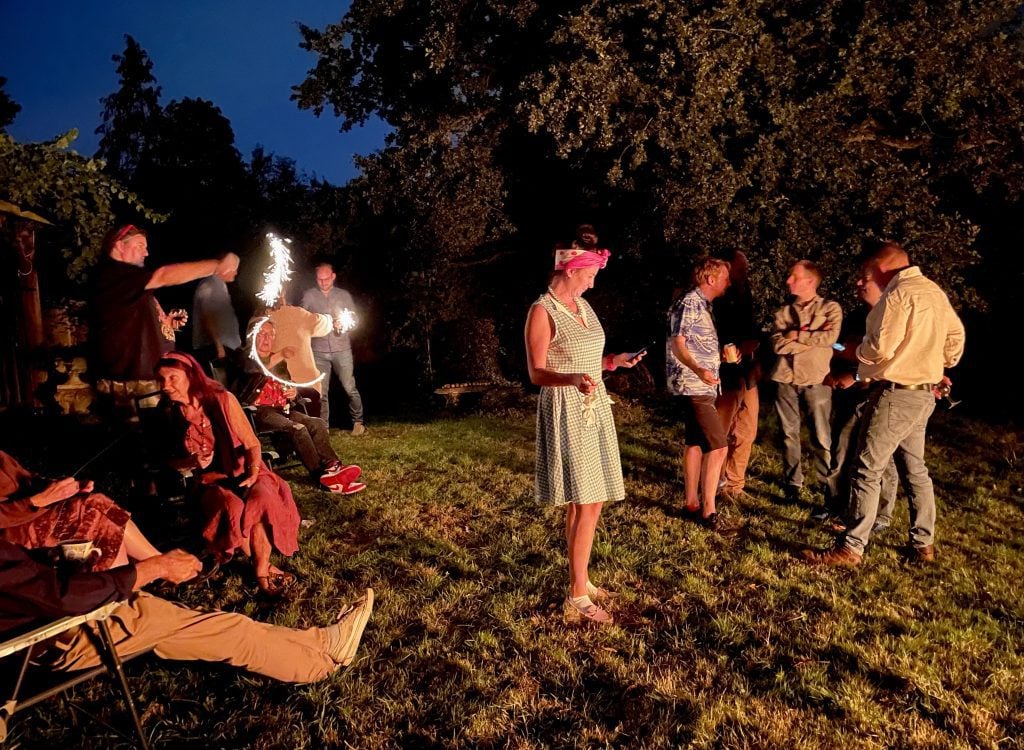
(719, 642)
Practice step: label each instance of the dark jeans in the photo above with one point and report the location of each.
(816, 401)
(309, 436)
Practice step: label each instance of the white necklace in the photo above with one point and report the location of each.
(579, 315)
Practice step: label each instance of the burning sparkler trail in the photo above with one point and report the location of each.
(273, 286)
(256, 358)
(280, 269)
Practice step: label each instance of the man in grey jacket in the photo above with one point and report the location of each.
(333, 352)
(802, 336)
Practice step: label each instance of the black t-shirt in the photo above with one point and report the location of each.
(735, 323)
(125, 331)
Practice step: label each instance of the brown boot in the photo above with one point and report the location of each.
(839, 556)
(921, 555)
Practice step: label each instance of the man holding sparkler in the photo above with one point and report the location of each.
(333, 352)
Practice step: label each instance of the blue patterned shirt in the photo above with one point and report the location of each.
(690, 317)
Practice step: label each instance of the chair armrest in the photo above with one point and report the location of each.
(56, 627)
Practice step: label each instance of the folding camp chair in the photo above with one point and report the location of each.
(104, 642)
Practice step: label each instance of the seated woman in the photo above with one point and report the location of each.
(246, 506)
(37, 513)
(276, 410)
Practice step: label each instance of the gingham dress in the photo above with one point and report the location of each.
(577, 448)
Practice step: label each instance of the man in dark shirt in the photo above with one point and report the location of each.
(738, 402)
(31, 591)
(129, 330)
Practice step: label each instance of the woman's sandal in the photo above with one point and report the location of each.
(600, 594)
(588, 612)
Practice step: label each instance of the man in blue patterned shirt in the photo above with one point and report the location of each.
(692, 358)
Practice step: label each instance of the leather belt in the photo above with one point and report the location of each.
(890, 386)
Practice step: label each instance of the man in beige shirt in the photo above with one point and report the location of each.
(802, 336)
(913, 333)
(295, 329)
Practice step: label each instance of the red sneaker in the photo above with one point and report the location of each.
(345, 476)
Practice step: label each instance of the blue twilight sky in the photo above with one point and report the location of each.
(243, 55)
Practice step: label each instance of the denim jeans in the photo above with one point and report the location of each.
(893, 425)
(848, 406)
(341, 364)
(817, 403)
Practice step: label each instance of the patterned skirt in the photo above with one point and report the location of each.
(94, 517)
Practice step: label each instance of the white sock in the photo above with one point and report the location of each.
(581, 602)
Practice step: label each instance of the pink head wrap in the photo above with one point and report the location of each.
(576, 257)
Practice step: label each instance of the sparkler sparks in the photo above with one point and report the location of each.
(280, 269)
(344, 320)
(273, 285)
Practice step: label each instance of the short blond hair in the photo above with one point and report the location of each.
(706, 269)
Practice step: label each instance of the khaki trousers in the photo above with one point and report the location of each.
(738, 410)
(174, 632)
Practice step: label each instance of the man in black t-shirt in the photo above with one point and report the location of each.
(127, 333)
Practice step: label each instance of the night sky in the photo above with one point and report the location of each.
(243, 55)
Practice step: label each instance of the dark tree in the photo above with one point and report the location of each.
(282, 192)
(131, 115)
(198, 176)
(9, 108)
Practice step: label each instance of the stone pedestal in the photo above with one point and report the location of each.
(75, 396)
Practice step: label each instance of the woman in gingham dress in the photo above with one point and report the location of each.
(577, 460)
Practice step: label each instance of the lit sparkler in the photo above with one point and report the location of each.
(280, 269)
(256, 358)
(273, 285)
(345, 320)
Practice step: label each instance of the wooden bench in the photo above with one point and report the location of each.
(452, 392)
(104, 642)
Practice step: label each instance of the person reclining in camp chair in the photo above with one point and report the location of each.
(33, 591)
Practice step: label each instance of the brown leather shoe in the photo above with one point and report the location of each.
(839, 556)
(921, 555)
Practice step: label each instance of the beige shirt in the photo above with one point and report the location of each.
(805, 360)
(912, 333)
(295, 327)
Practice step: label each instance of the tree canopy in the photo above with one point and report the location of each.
(805, 129)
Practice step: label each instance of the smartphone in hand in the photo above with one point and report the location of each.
(637, 353)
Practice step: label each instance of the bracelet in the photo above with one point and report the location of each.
(610, 362)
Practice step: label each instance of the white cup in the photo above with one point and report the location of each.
(79, 550)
